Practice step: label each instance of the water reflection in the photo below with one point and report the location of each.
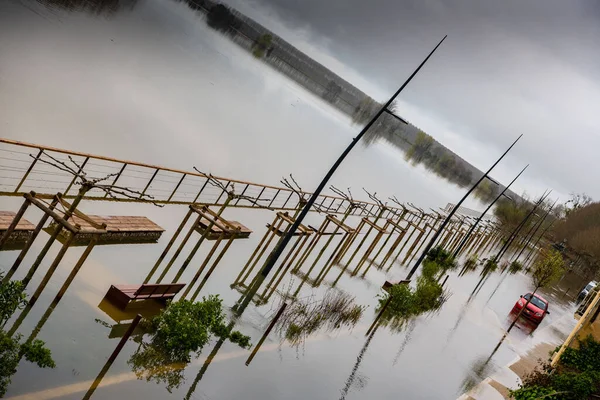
(12, 348)
(97, 7)
(302, 318)
(355, 380)
(143, 82)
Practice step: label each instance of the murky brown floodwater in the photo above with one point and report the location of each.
(152, 83)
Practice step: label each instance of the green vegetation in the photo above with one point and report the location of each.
(222, 19)
(428, 296)
(262, 45)
(489, 266)
(305, 316)
(486, 191)
(580, 229)
(443, 258)
(510, 213)
(576, 376)
(438, 160)
(179, 331)
(548, 269)
(12, 298)
(470, 264)
(515, 267)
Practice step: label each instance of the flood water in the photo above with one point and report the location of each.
(150, 82)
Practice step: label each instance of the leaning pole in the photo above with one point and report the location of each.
(278, 250)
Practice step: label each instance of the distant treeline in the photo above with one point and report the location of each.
(96, 7)
(419, 148)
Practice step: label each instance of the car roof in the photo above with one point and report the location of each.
(540, 297)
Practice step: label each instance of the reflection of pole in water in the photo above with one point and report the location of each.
(359, 359)
(60, 294)
(497, 286)
(169, 245)
(267, 331)
(239, 309)
(407, 338)
(112, 357)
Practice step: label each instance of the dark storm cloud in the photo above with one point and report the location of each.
(508, 67)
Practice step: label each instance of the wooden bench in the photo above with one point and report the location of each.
(122, 295)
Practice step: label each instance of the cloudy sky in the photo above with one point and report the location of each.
(507, 68)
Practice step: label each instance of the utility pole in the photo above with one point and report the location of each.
(449, 216)
(278, 250)
(461, 245)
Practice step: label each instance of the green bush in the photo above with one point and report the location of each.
(576, 376)
(181, 329)
(184, 327)
(431, 269)
(470, 263)
(515, 267)
(442, 257)
(407, 302)
(427, 296)
(532, 393)
(12, 298)
(489, 266)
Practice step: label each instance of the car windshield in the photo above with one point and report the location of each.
(590, 285)
(536, 301)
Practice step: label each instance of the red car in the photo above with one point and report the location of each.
(536, 309)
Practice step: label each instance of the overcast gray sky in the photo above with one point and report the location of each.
(507, 67)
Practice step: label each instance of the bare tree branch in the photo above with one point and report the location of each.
(230, 190)
(89, 184)
(302, 195)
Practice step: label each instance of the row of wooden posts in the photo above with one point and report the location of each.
(374, 241)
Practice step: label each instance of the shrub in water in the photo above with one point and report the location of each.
(12, 298)
(180, 330)
(442, 257)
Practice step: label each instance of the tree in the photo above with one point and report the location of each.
(221, 18)
(577, 201)
(262, 45)
(486, 191)
(544, 272)
(447, 165)
(581, 231)
(367, 108)
(421, 148)
(511, 212)
(332, 91)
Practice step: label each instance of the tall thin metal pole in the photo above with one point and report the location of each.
(517, 230)
(290, 233)
(464, 241)
(529, 238)
(456, 207)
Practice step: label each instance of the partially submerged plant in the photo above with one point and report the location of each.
(407, 302)
(12, 298)
(470, 264)
(305, 316)
(490, 265)
(442, 257)
(12, 350)
(178, 332)
(515, 267)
